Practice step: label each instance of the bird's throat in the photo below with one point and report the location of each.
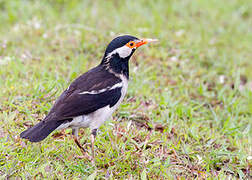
(118, 65)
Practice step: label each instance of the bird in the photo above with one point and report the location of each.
(92, 98)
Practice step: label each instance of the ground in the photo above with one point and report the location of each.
(188, 110)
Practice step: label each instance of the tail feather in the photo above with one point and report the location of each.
(40, 131)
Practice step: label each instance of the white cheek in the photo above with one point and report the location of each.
(124, 51)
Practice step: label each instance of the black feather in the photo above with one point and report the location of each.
(72, 104)
(82, 104)
(116, 63)
(40, 131)
(95, 79)
(118, 42)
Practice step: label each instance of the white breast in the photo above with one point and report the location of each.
(101, 115)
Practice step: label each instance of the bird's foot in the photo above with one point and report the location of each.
(85, 155)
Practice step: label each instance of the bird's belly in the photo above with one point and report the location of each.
(100, 116)
(77, 122)
(81, 121)
(93, 120)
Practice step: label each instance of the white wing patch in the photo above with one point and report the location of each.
(118, 85)
(123, 52)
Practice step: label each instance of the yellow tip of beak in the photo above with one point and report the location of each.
(145, 41)
(151, 40)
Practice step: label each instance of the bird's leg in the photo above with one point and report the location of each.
(75, 137)
(93, 135)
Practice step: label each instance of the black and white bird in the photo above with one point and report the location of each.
(93, 97)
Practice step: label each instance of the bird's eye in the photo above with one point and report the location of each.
(131, 44)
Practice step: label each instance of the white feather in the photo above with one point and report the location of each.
(103, 90)
(123, 52)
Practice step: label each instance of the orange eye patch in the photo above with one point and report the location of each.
(131, 44)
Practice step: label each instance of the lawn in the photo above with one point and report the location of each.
(188, 110)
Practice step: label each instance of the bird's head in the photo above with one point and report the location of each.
(119, 51)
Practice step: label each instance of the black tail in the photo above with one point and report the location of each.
(40, 131)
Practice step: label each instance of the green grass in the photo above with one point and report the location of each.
(193, 88)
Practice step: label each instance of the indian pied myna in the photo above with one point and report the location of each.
(93, 97)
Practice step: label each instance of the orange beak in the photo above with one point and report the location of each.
(144, 41)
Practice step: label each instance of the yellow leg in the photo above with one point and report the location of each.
(75, 137)
(93, 135)
(78, 144)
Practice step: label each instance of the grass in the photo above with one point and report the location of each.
(188, 110)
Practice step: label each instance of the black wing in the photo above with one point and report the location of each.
(81, 104)
(72, 103)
